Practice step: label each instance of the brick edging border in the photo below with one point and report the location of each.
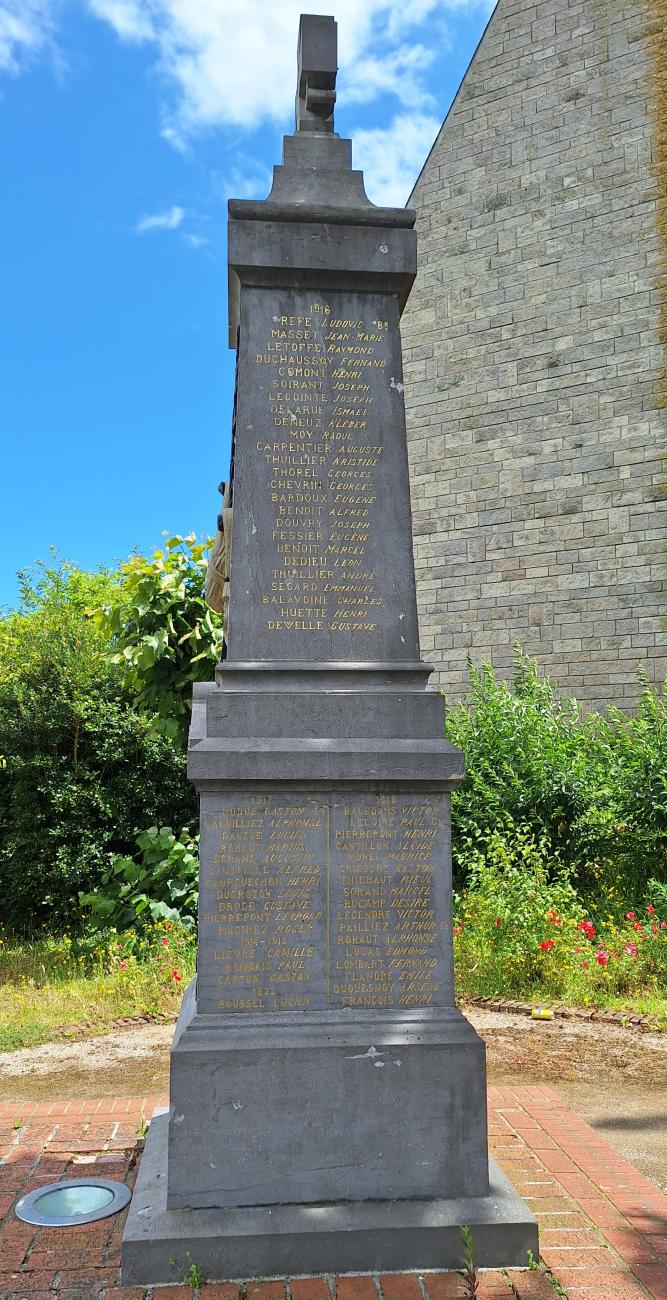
(624, 1019)
(85, 1029)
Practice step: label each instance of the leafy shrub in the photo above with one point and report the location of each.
(656, 893)
(163, 634)
(82, 767)
(637, 786)
(161, 885)
(521, 929)
(594, 785)
(516, 885)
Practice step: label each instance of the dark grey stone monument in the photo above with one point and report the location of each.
(328, 1100)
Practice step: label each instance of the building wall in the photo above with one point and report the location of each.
(535, 347)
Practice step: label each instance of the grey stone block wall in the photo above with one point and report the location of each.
(533, 357)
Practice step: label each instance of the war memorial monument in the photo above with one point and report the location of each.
(327, 1098)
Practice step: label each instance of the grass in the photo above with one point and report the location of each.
(53, 984)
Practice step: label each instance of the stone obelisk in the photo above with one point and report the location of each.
(328, 1099)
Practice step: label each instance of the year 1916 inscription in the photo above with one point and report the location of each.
(314, 902)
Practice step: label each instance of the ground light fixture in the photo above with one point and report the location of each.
(74, 1201)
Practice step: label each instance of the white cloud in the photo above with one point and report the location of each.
(130, 19)
(244, 177)
(399, 73)
(26, 28)
(232, 62)
(169, 220)
(391, 158)
(174, 138)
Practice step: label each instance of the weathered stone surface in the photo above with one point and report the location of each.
(287, 1239)
(347, 1104)
(317, 900)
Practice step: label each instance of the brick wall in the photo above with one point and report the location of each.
(534, 362)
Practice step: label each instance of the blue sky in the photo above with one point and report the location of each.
(125, 125)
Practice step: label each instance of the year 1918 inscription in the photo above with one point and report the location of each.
(314, 902)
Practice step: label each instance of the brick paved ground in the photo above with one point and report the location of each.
(603, 1225)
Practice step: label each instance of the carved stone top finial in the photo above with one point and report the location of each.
(317, 67)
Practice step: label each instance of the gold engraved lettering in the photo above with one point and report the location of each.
(334, 905)
(320, 473)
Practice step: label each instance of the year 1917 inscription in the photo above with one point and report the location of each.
(314, 902)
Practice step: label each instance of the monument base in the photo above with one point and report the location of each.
(291, 1240)
(320, 1107)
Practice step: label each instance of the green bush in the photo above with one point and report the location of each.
(595, 786)
(160, 884)
(96, 676)
(163, 634)
(82, 767)
(522, 929)
(516, 888)
(637, 789)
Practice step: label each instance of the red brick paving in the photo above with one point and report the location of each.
(400, 1286)
(603, 1225)
(442, 1286)
(355, 1288)
(303, 1288)
(265, 1290)
(532, 1286)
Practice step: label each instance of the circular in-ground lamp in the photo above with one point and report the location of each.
(74, 1201)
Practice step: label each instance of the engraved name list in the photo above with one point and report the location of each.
(320, 396)
(328, 901)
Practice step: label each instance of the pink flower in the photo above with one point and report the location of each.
(650, 909)
(654, 928)
(631, 949)
(165, 943)
(122, 965)
(663, 925)
(630, 916)
(602, 957)
(458, 929)
(584, 965)
(588, 928)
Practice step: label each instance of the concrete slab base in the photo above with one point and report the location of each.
(362, 1236)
